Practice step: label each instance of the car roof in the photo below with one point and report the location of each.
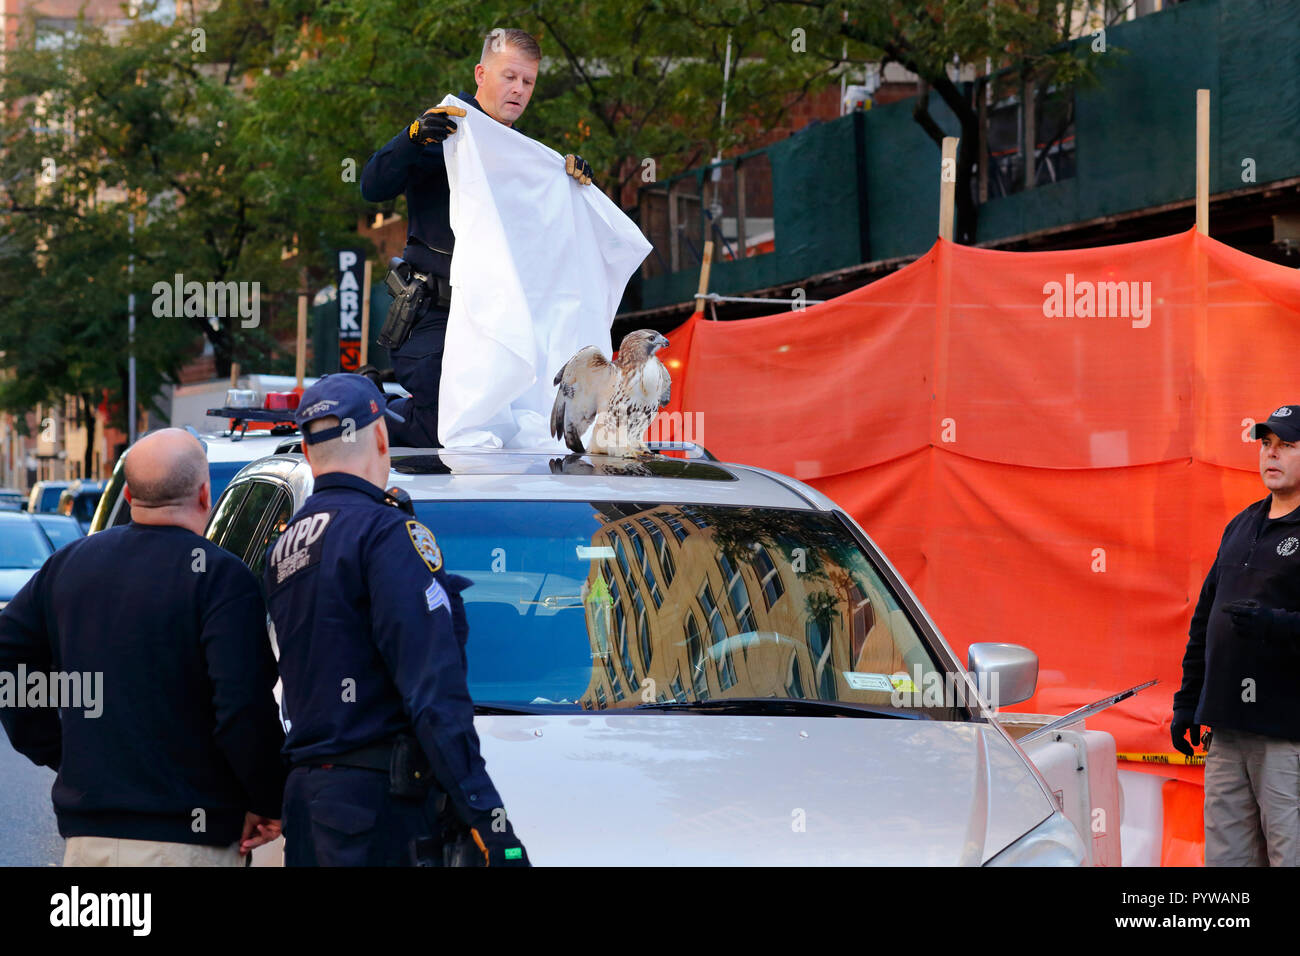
(493, 474)
(249, 448)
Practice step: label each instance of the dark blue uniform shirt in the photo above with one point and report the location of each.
(372, 632)
(403, 166)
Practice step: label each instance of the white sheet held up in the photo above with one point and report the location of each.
(540, 266)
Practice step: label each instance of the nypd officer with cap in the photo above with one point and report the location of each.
(412, 163)
(371, 630)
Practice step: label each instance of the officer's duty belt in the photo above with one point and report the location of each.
(371, 757)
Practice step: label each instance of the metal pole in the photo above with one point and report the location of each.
(130, 332)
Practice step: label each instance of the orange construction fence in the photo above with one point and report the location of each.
(1047, 445)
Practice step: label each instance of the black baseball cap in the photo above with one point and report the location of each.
(1284, 423)
(348, 397)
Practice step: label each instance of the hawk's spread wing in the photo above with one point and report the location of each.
(585, 383)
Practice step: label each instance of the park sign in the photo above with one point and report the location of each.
(351, 268)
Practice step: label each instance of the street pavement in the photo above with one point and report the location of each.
(29, 835)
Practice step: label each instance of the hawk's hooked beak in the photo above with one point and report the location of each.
(660, 342)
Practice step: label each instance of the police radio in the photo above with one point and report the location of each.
(400, 499)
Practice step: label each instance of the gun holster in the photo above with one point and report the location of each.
(409, 776)
(414, 293)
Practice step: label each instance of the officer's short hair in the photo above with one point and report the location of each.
(497, 40)
(340, 446)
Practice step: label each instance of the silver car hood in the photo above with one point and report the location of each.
(722, 790)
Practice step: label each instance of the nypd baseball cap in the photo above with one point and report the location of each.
(1284, 423)
(353, 399)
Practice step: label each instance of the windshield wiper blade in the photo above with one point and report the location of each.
(506, 710)
(778, 706)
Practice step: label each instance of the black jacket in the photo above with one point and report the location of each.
(1248, 681)
(421, 172)
(187, 720)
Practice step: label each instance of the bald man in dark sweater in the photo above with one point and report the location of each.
(178, 762)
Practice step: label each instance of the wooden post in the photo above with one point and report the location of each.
(301, 361)
(365, 313)
(1203, 162)
(704, 275)
(234, 374)
(947, 187)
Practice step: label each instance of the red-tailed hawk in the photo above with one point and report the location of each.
(622, 397)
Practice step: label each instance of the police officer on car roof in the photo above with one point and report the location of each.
(371, 630)
(412, 162)
(1241, 669)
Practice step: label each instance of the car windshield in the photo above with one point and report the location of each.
(607, 605)
(59, 530)
(22, 545)
(50, 498)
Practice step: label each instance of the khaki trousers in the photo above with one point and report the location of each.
(1252, 800)
(110, 851)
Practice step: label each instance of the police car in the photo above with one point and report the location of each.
(679, 661)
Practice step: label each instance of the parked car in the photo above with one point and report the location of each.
(59, 529)
(681, 662)
(79, 500)
(23, 549)
(44, 497)
(11, 499)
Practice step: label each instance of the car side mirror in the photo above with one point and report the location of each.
(1007, 672)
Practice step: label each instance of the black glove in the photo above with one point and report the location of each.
(434, 125)
(577, 167)
(496, 840)
(1178, 729)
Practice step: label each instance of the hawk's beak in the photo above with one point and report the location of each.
(661, 342)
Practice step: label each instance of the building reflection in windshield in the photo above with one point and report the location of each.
(691, 603)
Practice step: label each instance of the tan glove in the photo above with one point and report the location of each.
(577, 167)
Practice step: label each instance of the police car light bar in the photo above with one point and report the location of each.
(242, 407)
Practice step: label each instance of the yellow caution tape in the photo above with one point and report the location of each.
(1175, 758)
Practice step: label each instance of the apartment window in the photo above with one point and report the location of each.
(1054, 141)
(621, 555)
(712, 614)
(675, 526)
(695, 655)
(738, 594)
(768, 576)
(679, 692)
(862, 617)
(818, 635)
(660, 544)
(643, 562)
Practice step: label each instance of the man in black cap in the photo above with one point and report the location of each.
(412, 163)
(1241, 670)
(372, 631)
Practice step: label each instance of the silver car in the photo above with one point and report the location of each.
(677, 661)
